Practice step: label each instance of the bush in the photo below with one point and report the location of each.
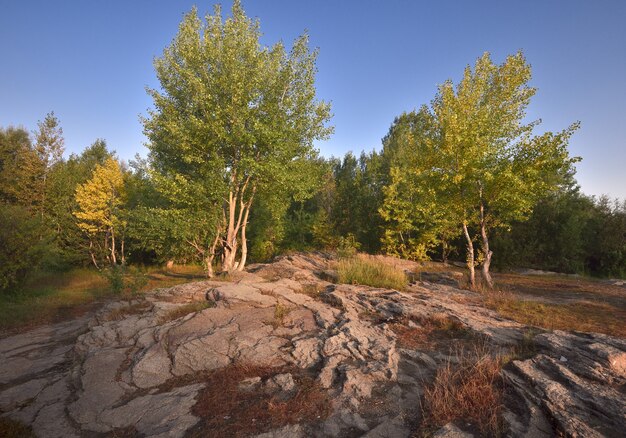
(22, 246)
(360, 270)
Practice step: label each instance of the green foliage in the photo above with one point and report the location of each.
(471, 159)
(122, 279)
(21, 246)
(19, 166)
(347, 247)
(360, 270)
(357, 196)
(568, 232)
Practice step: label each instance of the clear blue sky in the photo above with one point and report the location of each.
(90, 61)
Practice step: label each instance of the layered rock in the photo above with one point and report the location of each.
(139, 364)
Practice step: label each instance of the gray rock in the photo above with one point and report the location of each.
(451, 431)
(281, 382)
(291, 431)
(390, 428)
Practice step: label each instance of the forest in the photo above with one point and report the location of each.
(233, 175)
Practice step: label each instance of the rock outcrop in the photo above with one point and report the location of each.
(138, 365)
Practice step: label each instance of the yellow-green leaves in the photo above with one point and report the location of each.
(99, 199)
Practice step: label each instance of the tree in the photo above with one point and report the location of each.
(49, 146)
(232, 119)
(417, 221)
(99, 214)
(499, 168)
(472, 157)
(18, 168)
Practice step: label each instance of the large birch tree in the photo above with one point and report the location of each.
(232, 118)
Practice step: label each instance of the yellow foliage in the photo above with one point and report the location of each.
(100, 198)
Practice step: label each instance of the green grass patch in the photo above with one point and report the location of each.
(369, 272)
(56, 296)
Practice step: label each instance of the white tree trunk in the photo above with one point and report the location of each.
(470, 256)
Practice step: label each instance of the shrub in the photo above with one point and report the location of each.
(360, 270)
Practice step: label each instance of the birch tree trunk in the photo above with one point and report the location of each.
(487, 253)
(470, 256)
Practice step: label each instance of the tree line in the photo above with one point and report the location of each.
(233, 175)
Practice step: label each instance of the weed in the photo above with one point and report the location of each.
(280, 312)
(124, 279)
(186, 309)
(361, 270)
(312, 290)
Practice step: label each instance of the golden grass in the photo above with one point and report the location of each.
(51, 297)
(467, 387)
(580, 316)
(370, 272)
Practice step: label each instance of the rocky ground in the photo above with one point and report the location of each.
(282, 352)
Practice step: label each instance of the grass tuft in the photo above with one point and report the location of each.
(467, 387)
(369, 272)
(186, 309)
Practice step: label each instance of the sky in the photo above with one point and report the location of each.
(90, 61)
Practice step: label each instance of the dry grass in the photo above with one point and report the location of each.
(429, 333)
(579, 315)
(53, 297)
(186, 309)
(371, 272)
(225, 410)
(467, 388)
